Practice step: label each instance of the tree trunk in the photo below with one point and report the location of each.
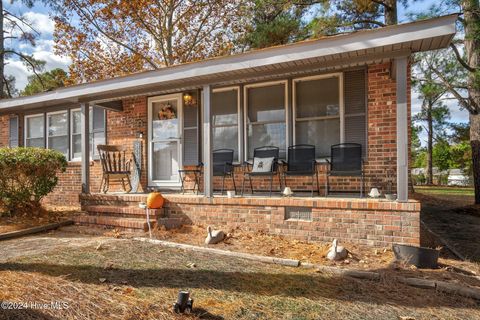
(472, 51)
(2, 55)
(475, 143)
(390, 8)
(430, 145)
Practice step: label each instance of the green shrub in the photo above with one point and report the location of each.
(26, 176)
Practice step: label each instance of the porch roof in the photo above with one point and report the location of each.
(326, 53)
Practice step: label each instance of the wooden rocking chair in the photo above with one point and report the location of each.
(115, 166)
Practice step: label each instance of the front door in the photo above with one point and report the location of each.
(164, 140)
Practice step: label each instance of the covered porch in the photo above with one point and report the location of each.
(352, 88)
(263, 94)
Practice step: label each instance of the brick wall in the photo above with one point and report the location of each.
(369, 222)
(122, 129)
(4, 131)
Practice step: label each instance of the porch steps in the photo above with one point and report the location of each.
(113, 222)
(122, 212)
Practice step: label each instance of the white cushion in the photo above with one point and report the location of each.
(262, 164)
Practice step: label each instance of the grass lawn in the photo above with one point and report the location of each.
(124, 279)
(444, 190)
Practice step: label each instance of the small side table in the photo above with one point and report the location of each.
(197, 173)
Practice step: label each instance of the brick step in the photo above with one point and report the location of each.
(114, 222)
(113, 210)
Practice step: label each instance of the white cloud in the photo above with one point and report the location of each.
(43, 51)
(41, 22)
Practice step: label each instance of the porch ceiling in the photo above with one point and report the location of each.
(323, 54)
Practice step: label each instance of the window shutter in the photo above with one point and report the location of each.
(190, 135)
(14, 131)
(355, 108)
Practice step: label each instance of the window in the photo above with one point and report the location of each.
(225, 113)
(265, 115)
(35, 131)
(57, 131)
(318, 112)
(190, 129)
(13, 137)
(97, 132)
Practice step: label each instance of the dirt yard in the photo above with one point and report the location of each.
(28, 220)
(450, 213)
(92, 277)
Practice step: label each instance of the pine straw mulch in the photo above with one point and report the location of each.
(125, 279)
(33, 219)
(359, 258)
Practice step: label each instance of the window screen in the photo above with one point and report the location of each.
(35, 131)
(57, 131)
(225, 133)
(317, 113)
(190, 132)
(97, 132)
(266, 120)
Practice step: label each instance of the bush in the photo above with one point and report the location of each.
(27, 175)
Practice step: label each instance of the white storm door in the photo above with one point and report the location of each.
(164, 140)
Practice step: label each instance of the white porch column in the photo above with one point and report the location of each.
(85, 145)
(402, 129)
(207, 143)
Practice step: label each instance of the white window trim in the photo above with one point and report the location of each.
(341, 102)
(245, 112)
(47, 131)
(71, 134)
(25, 137)
(10, 131)
(239, 118)
(150, 140)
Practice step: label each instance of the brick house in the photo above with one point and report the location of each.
(345, 88)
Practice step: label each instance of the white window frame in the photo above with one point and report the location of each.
(10, 131)
(70, 133)
(245, 113)
(47, 136)
(239, 118)
(150, 140)
(72, 158)
(25, 138)
(341, 103)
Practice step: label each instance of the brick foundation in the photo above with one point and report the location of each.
(364, 221)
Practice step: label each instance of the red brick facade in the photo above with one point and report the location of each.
(124, 127)
(364, 221)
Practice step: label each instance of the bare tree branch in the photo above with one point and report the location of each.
(464, 102)
(29, 62)
(460, 59)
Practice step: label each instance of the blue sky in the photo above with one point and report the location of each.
(39, 17)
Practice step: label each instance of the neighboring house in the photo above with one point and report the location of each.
(346, 88)
(456, 177)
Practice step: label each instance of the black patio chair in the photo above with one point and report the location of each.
(259, 153)
(223, 165)
(301, 162)
(345, 161)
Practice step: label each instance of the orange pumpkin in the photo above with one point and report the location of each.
(155, 200)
